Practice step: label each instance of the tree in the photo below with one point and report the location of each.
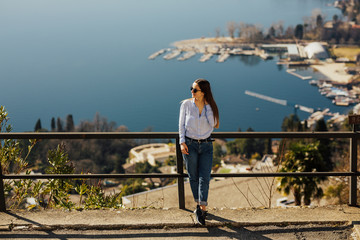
(59, 125)
(38, 125)
(302, 158)
(268, 146)
(145, 167)
(170, 161)
(319, 21)
(299, 31)
(247, 146)
(12, 162)
(231, 27)
(280, 29)
(272, 31)
(335, 18)
(251, 32)
(319, 27)
(218, 154)
(289, 32)
(324, 145)
(291, 124)
(53, 125)
(69, 127)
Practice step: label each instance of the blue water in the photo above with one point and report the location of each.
(80, 57)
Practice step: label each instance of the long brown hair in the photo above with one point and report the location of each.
(204, 86)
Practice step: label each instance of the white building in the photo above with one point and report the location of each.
(151, 153)
(315, 50)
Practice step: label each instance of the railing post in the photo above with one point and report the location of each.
(353, 169)
(2, 193)
(180, 181)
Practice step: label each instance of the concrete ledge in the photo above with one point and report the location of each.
(176, 218)
(356, 225)
(16, 227)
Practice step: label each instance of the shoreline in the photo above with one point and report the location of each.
(333, 71)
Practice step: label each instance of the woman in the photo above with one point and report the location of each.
(198, 117)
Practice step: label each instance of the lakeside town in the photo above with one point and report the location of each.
(327, 47)
(339, 85)
(337, 59)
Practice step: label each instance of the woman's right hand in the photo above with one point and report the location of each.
(184, 149)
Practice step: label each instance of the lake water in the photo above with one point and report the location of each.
(80, 57)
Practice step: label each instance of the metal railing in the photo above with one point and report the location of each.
(352, 173)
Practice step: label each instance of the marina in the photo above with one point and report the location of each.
(296, 56)
(340, 96)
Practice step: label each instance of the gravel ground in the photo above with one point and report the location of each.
(289, 232)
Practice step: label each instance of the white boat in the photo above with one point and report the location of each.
(313, 82)
(265, 56)
(341, 101)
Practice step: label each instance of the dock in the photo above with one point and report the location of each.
(174, 53)
(154, 55)
(187, 55)
(222, 57)
(292, 72)
(205, 57)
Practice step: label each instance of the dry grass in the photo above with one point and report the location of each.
(348, 52)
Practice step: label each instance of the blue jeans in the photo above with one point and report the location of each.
(198, 165)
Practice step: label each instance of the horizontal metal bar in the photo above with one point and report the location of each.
(88, 135)
(88, 176)
(166, 135)
(175, 175)
(347, 134)
(286, 174)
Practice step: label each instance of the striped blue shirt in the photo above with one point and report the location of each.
(194, 125)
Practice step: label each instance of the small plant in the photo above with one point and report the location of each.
(58, 188)
(13, 162)
(302, 158)
(96, 199)
(81, 190)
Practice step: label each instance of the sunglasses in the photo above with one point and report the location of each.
(194, 90)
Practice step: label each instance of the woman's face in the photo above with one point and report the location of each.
(198, 93)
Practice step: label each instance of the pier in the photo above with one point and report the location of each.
(205, 57)
(174, 53)
(187, 55)
(154, 55)
(222, 57)
(292, 72)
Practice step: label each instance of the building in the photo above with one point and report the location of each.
(316, 50)
(152, 153)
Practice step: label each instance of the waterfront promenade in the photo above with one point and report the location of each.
(330, 222)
